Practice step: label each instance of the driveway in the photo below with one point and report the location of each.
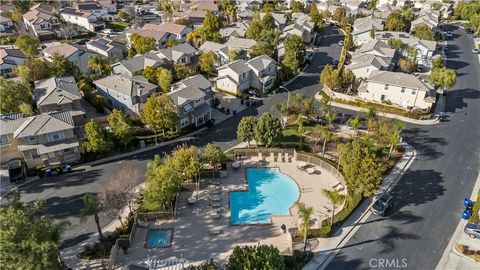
(428, 199)
(63, 194)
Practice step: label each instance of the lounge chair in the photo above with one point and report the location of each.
(280, 158)
(272, 157)
(287, 158)
(260, 156)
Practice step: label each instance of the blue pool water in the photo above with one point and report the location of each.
(270, 192)
(159, 238)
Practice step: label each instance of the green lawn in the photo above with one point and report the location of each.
(117, 25)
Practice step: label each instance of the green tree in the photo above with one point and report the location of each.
(372, 5)
(141, 44)
(209, 265)
(26, 109)
(207, 62)
(395, 22)
(437, 62)
(33, 70)
(98, 139)
(327, 137)
(28, 45)
(294, 53)
(305, 214)
(393, 135)
(159, 113)
(254, 29)
(171, 42)
(339, 14)
(335, 199)
(13, 94)
(261, 48)
(181, 72)
(361, 165)
(443, 77)
(231, 12)
(348, 79)
(406, 65)
(246, 129)
(29, 238)
(214, 157)
(396, 44)
(297, 6)
(100, 65)
(91, 207)
(268, 130)
(268, 22)
(255, 257)
(300, 129)
(355, 124)
(330, 77)
(150, 73)
(316, 18)
(164, 79)
(123, 15)
(121, 126)
(162, 184)
(60, 66)
(407, 14)
(186, 161)
(210, 29)
(233, 54)
(423, 31)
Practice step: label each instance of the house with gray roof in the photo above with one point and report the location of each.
(237, 30)
(162, 33)
(44, 139)
(59, 94)
(192, 97)
(376, 47)
(9, 60)
(242, 45)
(126, 93)
(363, 65)
(263, 73)
(180, 54)
(107, 47)
(76, 54)
(135, 65)
(397, 88)
(279, 18)
(220, 50)
(362, 28)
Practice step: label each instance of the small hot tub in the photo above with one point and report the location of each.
(158, 238)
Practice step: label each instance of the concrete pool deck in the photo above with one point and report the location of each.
(193, 238)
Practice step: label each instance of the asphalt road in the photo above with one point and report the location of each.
(63, 194)
(428, 199)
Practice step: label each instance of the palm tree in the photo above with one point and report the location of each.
(300, 129)
(355, 123)
(283, 109)
(305, 213)
(394, 135)
(327, 136)
(167, 7)
(91, 208)
(330, 117)
(335, 199)
(371, 115)
(230, 11)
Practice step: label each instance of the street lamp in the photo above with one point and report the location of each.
(288, 95)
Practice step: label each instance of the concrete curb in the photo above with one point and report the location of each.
(428, 122)
(323, 262)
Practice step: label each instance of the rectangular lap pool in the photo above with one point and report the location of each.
(270, 192)
(159, 238)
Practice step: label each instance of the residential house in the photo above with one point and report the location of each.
(86, 20)
(5, 24)
(135, 65)
(44, 139)
(192, 97)
(428, 17)
(59, 94)
(245, 14)
(382, 12)
(263, 73)
(74, 53)
(400, 89)
(425, 49)
(376, 47)
(104, 9)
(180, 54)
(299, 30)
(239, 76)
(193, 18)
(203, 5)
(234, 77)
(363, 27)
(220, 50)
(107, 47)
(42, 21)
(363, 65)
(9, 60)
(162, 33)
(237, 30)
(279, 18)
(128, 94)
(242, 45)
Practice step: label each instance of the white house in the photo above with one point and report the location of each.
(126, 93)
(162, 33)
(9, 60)
(400, 89)
(86, 20)
(42, 21)
(263, 73)
(74, 53)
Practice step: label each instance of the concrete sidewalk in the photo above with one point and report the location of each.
(329, 247)
(388, 115)
(451, 258)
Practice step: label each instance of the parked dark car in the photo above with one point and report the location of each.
(472, 230)
(381, 205)
(210, 123)
(16, 170)
(51, 170)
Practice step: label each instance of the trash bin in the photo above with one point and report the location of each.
(247, 103)
(234, 111)
(48, 172)
(242, 101)
(68, 168)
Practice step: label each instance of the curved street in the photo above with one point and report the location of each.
(428, 198)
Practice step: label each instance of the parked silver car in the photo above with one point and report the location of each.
(473, 230)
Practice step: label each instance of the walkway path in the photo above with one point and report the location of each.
(329, 247)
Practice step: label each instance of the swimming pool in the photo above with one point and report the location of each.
(159, 238)
(270, 192)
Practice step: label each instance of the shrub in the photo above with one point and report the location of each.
(476, 207)
(298, 260)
